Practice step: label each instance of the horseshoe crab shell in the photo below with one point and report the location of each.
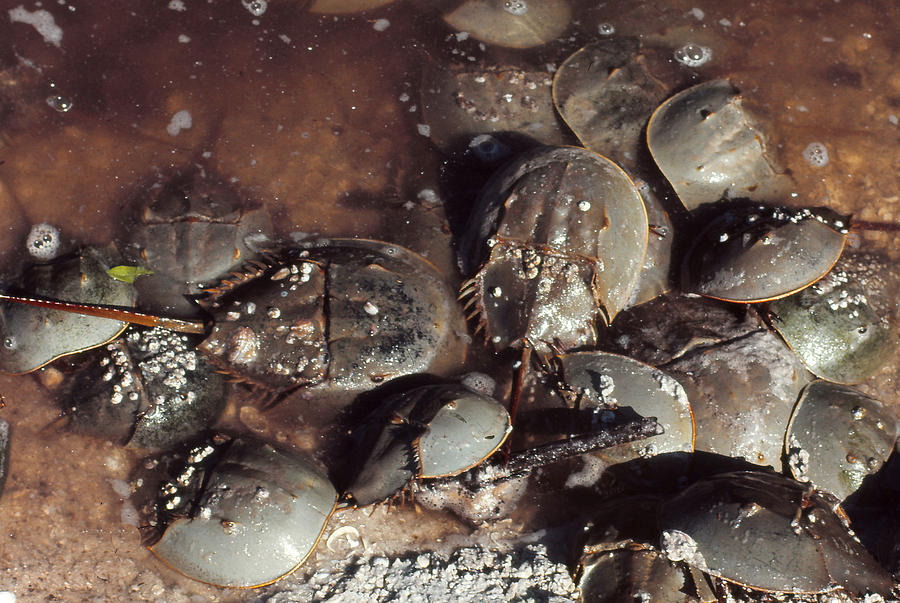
(428, 432)
(258, 516)
(511, 23)
(32, 337)
(837, 436)
(605, 92)
(604, 380)
(753, 253)
(767, 532)
(833, 327)
(566, 232)
(708, 148)
(343, 313)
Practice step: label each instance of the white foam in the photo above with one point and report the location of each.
(180, 121)
(41, 20)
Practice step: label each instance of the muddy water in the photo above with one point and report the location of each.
(316, 118)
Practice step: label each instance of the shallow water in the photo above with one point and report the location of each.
(316, 119)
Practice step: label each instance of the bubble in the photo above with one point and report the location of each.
(606, 29)
(487, 148)
(60, 104)
(515, 7)
(584, 205)
(428, 196)
(43, 241)
(693, 55)
(10, 343)
(479, 383)
(816, 154)
(256, 7)
(181, 120)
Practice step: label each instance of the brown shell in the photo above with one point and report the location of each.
(347, 313)
(567, 233)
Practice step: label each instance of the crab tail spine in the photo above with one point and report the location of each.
(114, 313)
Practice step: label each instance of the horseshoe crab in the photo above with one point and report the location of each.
(511, 23)
(566, 231)
(343, 314)
(709, 148)
(194, 230)
(753, 253)
(149, 389)
(241, 513)
(837, 436)
(426, 433)
(838, 327)
(615, 559)
(601, 381)
(605, 92)
(768, 533)
(462, 105)
(34, 337)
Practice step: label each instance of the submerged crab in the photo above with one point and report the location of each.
(343, 315)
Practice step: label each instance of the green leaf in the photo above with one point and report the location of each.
(127, 274)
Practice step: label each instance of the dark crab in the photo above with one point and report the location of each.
(195, 229)
(425, 433)
(555, 245)
(767, 532)
(746, 533)
(148, 389)
(751, 252)
(343, 314)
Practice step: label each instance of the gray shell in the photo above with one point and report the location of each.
(833, 328)
(655, 278)
(767, 532)
(31, 337)
(602, 380)
(614, 560)
(605, 92)
(150, 389)
(428, 432)
(709, 148)
(342, 313)
(259, 517)
(490, 22)
(837, 436)
(194, 231)
(757, 253)
(742, 392)
(566, 232)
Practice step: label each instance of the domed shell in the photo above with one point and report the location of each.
(259, 517)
